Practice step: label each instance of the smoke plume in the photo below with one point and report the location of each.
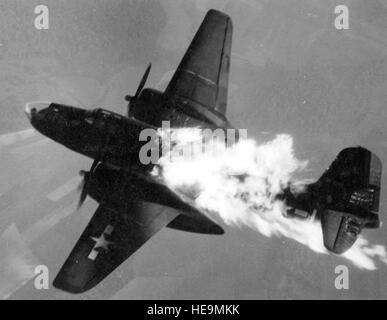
(240, 184)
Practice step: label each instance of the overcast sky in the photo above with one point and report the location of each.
(291, 72)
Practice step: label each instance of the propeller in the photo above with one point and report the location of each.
(141, 85)
(83, 186)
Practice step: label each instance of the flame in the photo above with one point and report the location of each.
(240, 185)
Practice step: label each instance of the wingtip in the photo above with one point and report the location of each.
(64, 282)
(60, 285)
(218, 13)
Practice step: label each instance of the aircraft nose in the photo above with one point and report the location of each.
(32, 108)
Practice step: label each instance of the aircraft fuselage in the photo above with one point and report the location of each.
(97, 134)
(111, 137)
(113, 140)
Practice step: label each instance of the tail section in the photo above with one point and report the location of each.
(352, 186)
(346, 198)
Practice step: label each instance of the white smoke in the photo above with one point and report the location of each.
(240, 184)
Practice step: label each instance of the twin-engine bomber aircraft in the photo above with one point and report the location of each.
(133, 206)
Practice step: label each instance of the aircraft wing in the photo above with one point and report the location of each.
(201, 80)
(108, 240)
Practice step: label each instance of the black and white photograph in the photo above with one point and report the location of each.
(180, 150)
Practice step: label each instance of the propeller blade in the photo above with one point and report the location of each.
(84, 184)
(94, 165)
(83, 196)
(80, 185)
(143, 81)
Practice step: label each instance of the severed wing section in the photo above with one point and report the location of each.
(201, 80)
(108, 240)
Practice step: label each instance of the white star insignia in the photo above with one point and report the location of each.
(101, 242)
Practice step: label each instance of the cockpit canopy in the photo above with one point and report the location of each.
(71, 113)
(68, 112)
